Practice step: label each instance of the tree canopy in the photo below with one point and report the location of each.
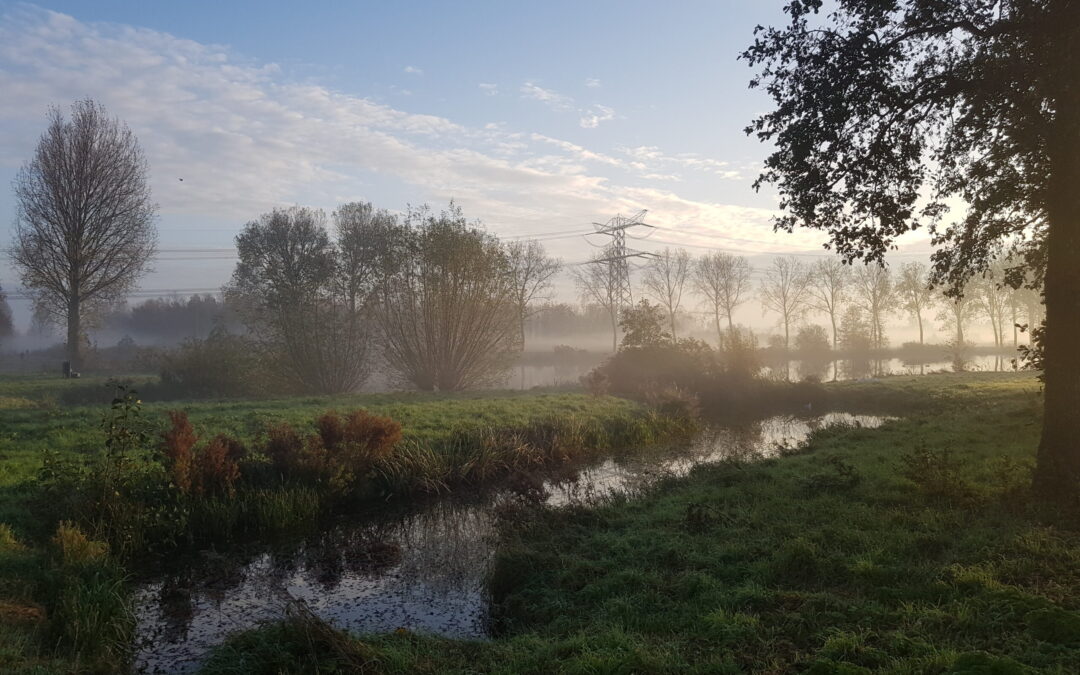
(888, 112)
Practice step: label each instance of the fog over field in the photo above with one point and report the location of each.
(564, 337)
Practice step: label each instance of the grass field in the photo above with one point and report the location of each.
(914, 548)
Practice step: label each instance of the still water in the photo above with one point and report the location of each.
(527, 377)
(420, 569)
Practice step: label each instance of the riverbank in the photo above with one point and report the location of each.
(445, 441)
(915, 547)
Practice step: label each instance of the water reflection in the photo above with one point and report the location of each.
(421, 570)
(862, 368)
(529, 376)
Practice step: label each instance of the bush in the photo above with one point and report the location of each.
(122, 495)
(178, 443)
(638, 372)
(217, 466)
(343, 450)
(674, 402)
(223, 365)
(937, 474)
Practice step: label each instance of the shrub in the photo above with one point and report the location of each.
(342, 451)
(674, 402)
(937, 474)
(596, 382)
(222, 365)
(177, 445)
(284, 447)
(216, 467)
(637, 371)
(123, 495)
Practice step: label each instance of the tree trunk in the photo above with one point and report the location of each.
(919, 316)
(1057, 472)
(74, 341)
(787, 350)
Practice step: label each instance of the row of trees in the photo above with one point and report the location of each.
(435, 301)
(863, 296)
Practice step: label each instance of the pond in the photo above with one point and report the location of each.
(420, 569)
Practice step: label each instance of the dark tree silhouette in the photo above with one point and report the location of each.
(883, 102)
(85, 228)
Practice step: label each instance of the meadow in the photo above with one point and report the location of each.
(913, 548)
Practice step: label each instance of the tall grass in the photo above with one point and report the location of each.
(88, 608)
(474, 457)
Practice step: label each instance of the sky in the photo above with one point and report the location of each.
(538, 119)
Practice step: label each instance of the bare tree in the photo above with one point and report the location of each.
(531, 271)
(84, 232)
(991, 298)
(874, 294)
(598, 284)
(447, 307)
(957, 311)
(829, 280)
(301, 300)
(914, 292)
(785, 290)
(665, 278)
(724, 280)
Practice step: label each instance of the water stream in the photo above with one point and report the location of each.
(420, 569)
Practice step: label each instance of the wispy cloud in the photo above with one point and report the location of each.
(245, 138)
(650, 155)
(489, 88)
(413, 70)
(595, 115)
(592, 83)
(591, 116)
(551, 98)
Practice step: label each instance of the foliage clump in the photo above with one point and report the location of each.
(342, 451)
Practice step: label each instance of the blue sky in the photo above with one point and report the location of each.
(534, 117)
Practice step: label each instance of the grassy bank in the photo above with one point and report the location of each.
(31, 421)
(913, 548)
(61, 617)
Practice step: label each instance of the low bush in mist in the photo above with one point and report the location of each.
(223, 365)
(688, 374)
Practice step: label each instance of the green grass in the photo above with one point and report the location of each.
(914, 548)
(37, 423)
